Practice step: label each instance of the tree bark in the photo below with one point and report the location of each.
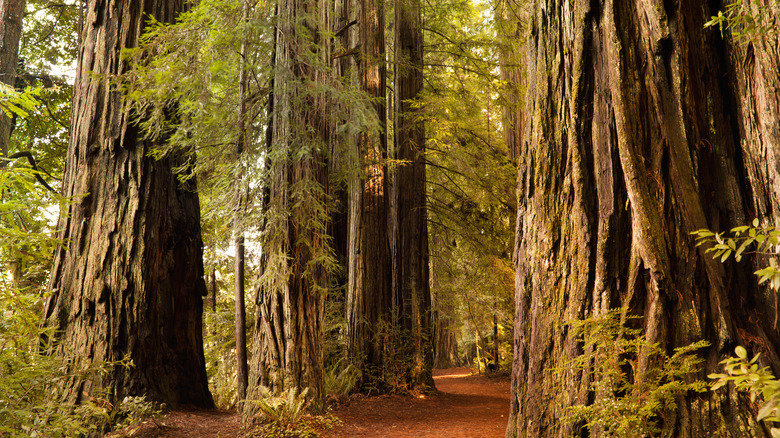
(445, 339)
(411, 291)
(642, 127)
(11, 12)
(242, 374)
(288, 339)
(131, 280)
(370, 281)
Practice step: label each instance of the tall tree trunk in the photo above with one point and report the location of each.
(370, 281)
(411, 291)
(642, 127)
(288, 339)
(11, 12)
(242, 374)
(131, 282)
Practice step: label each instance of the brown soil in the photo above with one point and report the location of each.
(464, 406)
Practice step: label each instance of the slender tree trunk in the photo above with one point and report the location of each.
(288, 340)
(370, 281)
(511, 20)
(643, 126)
(241, 360)
(411, 291)
(214, 289)
(131, 281)
(496, 362)
(11, 12)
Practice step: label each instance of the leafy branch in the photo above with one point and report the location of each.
(739, 240)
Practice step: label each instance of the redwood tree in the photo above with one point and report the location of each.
(130, 280)
(411, 291)
(369, 286)
(642, 127)
(288, 351)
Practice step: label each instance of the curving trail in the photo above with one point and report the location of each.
(465, 406)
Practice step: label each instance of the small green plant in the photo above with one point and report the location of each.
(745, 373)
(746, 376)
(341, 381)
(628, 398)
(284, 415)
(740, 239)
(747, 22)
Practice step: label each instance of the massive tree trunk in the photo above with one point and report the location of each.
(370, 281)
(643, 126)
(411, 291)
(288, 349)
(11, 12)
(130, 281)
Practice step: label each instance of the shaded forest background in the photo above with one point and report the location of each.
(232, 200)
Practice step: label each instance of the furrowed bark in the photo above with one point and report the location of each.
(130, 281)
(290, 304)
(370, 265)
(642, 127)
(411, 290)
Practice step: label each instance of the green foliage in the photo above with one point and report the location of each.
(31, 404)
(284, 415)
(49, 36)
(340, 381)
(746, 376)
(745, 373)
(15, 103)
(747, 21)
(633, 381)
(753, 239)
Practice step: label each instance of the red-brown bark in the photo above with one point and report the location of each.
(642, 127)
(130, 280)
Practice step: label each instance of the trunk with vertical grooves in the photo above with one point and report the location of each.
(369, 287)
(411, 291)
(131, 282)
(642, 127)
(290, 304)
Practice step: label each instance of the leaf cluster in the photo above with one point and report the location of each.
(629, 397)
(764, 240)
(284, 415)
(31, 402)
(747, 22)
(471, 183)
(16, 103)
(760, 383)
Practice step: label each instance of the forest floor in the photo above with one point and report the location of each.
(464, 406)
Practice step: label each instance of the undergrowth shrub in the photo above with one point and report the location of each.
(627, 399)
(220, 353)
(31, 403)
(341, 381)
(285, 415)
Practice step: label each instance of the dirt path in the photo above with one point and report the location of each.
(465, 406)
